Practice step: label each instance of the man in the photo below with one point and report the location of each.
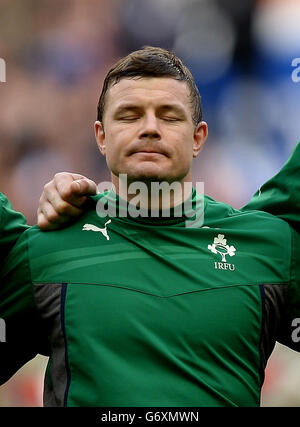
(136, 307)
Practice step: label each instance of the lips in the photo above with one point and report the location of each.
(148, 150)
(148, 155)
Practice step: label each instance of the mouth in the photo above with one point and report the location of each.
(148, 155)
(149, 152)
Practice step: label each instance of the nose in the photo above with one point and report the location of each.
(150, 127)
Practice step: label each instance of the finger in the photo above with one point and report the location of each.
(44, 224)
(59, 214)
(84, 186)
(63, 207)
(65, 196)
(44, 217)
(62, 182)
(41, 218)
(73, 188)
(50, 194)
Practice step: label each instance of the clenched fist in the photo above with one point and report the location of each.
(63, 199)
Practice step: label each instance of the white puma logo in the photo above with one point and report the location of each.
(92, 227)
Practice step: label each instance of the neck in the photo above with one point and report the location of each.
(152, 195)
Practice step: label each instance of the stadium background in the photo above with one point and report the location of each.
(57, 53)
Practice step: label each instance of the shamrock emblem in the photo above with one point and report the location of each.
(220, 247)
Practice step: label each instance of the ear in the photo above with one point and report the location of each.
(100, 137)
(200, 136)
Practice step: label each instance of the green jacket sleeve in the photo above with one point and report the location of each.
(12, 224)
(280, 195)
(289, 331)
(23, 339)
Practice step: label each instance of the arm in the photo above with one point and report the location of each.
(23, 337)
(12, 225)
(63, 199)
(280, 195)
(289, 330)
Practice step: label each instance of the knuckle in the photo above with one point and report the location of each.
(40, 216)
(64, 191)
(47, 186)
(58, 175)
(62, 208)
(52, 216)
(42, 221)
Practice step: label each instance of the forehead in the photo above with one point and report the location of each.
(151, 91)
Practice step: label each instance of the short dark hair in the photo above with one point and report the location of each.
(151, 62)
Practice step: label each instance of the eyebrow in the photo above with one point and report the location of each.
(127, 107)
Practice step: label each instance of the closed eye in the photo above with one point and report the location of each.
(171, 119)
(128, 118)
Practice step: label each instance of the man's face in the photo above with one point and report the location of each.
(148, 131)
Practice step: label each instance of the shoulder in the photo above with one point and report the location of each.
(69, 237)
(223, 211)
(37, 252)
(4, 204)
(261, 232)
(7, 211)
(12, 225)
(3, 199)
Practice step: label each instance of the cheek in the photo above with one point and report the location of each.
(112, 156)
(110, 148)
(115, 149)
(184, 150)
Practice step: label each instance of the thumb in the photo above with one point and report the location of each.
(84, 187)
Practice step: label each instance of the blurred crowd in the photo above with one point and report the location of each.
(57, 53)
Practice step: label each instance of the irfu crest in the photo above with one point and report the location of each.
(220, 247)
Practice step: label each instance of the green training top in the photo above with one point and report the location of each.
(152, 311)
(281, 194)
(12, 224)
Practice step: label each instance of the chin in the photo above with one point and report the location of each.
(147, 178)
(147, 172)
(150, 172)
